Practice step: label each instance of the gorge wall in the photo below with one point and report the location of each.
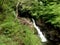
(51, 33)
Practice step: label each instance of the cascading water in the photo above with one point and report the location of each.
(43, 39)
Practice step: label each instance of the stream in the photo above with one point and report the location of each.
(40, 34)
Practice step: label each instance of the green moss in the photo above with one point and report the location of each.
(11, 31)
(14, 33)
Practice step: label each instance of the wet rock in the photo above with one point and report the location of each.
(52, 33)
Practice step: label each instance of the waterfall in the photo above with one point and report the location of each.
(40, 34)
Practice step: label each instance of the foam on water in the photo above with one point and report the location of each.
(43, 39)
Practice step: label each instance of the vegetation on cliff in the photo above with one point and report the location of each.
(12, 32)
(48, 10)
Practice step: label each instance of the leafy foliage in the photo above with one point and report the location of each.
(48, 10)
(11, 31)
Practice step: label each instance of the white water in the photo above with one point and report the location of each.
(40, 34)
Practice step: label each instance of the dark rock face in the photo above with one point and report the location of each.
(25, 13)
(51, 33)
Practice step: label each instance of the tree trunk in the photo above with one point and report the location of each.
(17, 9)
